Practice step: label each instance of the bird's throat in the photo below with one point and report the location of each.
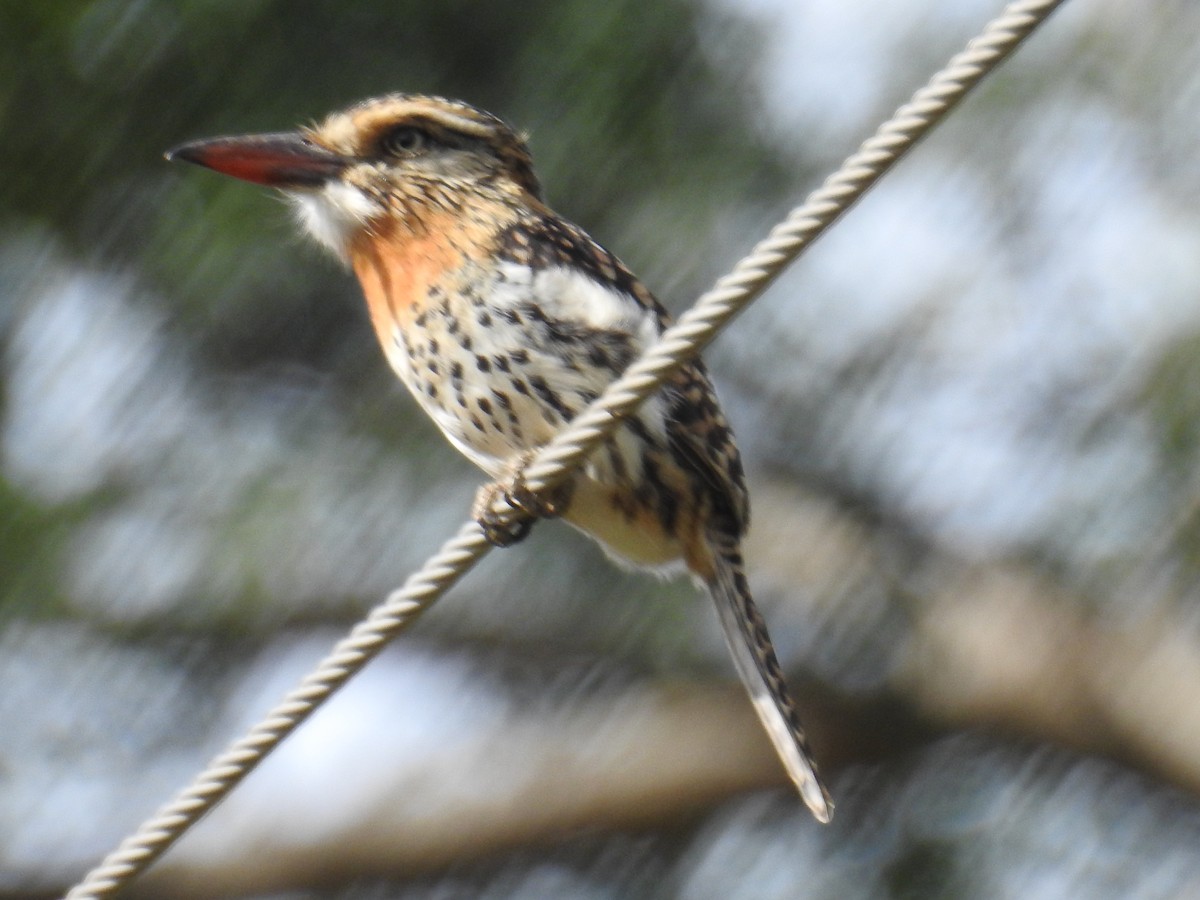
(405, 265)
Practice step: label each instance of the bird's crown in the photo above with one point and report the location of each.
(426, 138)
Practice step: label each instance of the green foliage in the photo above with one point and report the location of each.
(623, 107)
(1172, 396)
(32, 539)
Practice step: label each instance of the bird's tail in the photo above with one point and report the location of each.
(748, 640)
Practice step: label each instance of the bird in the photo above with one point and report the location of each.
(505, 321)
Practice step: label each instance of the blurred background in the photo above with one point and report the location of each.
(971, 417)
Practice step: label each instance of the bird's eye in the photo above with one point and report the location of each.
(407, 140)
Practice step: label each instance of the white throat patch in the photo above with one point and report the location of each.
(334, 214)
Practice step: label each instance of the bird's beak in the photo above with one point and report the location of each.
(285, 160)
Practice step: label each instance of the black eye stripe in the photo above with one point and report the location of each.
(413, 138)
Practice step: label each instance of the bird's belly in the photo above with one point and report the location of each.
(499, 388)
(631, 539)
(511, 422)
(493, 391)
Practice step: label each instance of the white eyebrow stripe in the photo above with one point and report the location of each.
(459, 123)
(446, 117)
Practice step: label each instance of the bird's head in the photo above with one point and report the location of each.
(390, 161)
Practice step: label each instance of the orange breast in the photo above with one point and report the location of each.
(397, 269)
(399, 263)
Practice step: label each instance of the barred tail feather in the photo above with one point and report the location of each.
(748, 640)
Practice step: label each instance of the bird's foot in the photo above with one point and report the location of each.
(513, 522)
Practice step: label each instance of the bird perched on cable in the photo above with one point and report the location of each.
(505, 321)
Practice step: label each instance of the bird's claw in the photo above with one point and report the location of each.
(512, 524)
(501, 528)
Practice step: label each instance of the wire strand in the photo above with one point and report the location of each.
(555, 462)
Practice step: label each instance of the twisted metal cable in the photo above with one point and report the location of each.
(349, 655)
(558, 459)
(736, 290)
